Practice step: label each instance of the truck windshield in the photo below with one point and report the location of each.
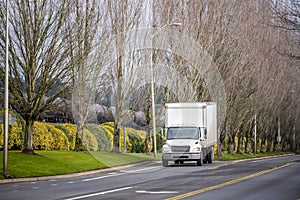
(183, 133)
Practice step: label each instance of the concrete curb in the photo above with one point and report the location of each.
(74, 175)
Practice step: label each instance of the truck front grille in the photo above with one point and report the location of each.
(180, 148)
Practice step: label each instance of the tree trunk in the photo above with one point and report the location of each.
(247, 145)
(28, 140)
(231, 148)
(230, 144)
(263, 145)
(220, 148)
(116, 141)
(240, 145)
(79, 146)
(269, 144)
(148, 119)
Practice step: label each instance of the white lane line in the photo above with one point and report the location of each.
(35, 188)
(156, 192)
(52, 185)
(112, 174)
(99, 193)
(100, 177)
(71, 182)
(139, 170)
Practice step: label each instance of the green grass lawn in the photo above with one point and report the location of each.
(48, 163)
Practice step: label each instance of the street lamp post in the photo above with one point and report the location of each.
(5, 149)
(152, 89)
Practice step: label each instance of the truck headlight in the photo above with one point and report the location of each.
(165, 149)
(197, 149)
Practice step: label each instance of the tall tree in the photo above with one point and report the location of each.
(38, 58)
(123, 16)
(84, 38)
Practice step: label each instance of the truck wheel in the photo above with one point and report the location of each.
(164, 163)
(209, 157)
(200, 161)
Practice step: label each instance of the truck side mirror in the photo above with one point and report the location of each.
(203, 134)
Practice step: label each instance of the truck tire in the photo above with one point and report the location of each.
(164, 163)
(200, 161)
(209, 157)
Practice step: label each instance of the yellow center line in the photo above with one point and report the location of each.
(227, 183)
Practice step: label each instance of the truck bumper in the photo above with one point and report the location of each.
(181, 156)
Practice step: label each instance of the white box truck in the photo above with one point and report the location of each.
(191, 132)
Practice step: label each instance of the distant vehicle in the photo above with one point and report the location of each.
(191, 132)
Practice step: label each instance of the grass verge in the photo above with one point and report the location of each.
(48, 163)
(236, 156)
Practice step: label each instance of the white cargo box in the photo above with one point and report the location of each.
(202, 114)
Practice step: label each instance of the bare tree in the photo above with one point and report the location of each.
(38, 58)
(123, 16)
(85, 36)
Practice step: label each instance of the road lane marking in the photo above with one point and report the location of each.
(99, 193)
(100, 177)
(139, 170)
(118, 174)
(228, 183)
(156, 192)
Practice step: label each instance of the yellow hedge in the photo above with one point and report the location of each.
(63, 136)
(89, 141)
(59, 139)
(71, 134)
(142, 135)
(14, 136)
(42, 138)
(109, 129)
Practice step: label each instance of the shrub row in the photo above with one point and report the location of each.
(62, 137)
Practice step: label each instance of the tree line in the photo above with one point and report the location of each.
(89, 51)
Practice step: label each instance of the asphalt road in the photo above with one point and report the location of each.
(271, 178)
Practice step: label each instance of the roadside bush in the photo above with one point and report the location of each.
(137, 139)
(104, 143)
(42, 138)
(89, 141)
(136, 142)
(14, 137)
(70, 132)
(15, 132)
(109, 129)
(59, 138)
